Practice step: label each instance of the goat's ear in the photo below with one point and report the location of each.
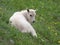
(27, 10)
(35, 10)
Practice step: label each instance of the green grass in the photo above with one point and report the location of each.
(47, 23)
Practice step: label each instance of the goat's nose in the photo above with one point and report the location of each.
(33, 21)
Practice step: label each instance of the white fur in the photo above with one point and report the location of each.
(22, 21)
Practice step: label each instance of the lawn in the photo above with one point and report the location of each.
(47, 23)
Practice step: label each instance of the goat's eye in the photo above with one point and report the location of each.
(31, 15)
